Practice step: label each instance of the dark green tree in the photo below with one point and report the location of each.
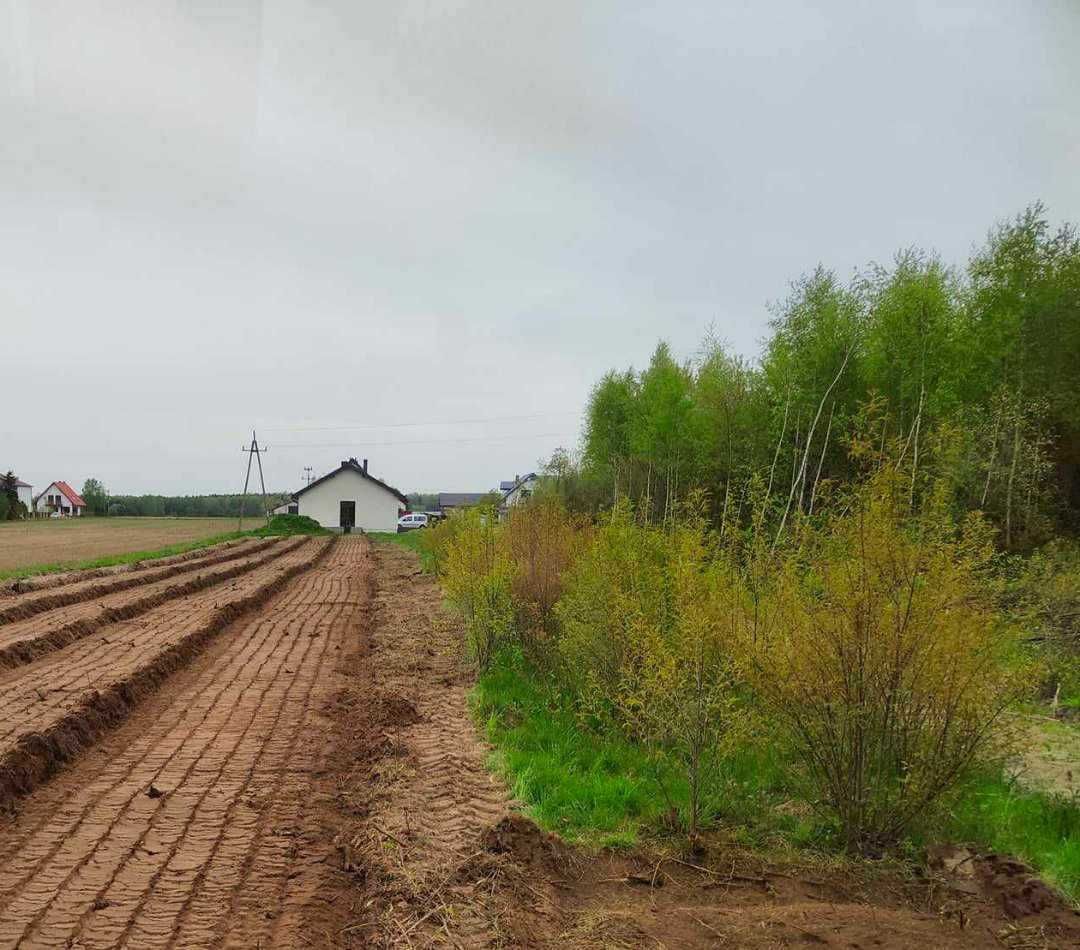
(95, 496)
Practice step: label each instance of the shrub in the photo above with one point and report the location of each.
(436, 541)
(477, 579)
(290, 525)
(650, 628)
(683, 691)
(883, 659)
(615, 592)
(541, 541)
(1046, 598)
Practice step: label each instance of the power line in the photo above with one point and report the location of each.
(427, 422)
(335, 445)
(258, 453)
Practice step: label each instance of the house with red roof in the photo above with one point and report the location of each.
(59, 498)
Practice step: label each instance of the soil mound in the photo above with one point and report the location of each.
(520, 839)
(1017, 889)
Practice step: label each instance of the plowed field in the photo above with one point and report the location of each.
(269, 745)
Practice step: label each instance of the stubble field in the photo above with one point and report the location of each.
(72, 541)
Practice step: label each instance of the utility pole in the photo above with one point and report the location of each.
(253, 451)
(308, 477)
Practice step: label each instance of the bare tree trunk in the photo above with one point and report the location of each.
(810, 438)
(772, 468)
(821, 460)
(990, 461)
(915, 459)
(1012, 479)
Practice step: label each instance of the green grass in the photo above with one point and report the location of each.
(289, 526)
(129, 557)
(596, 787)
(413, 540)
(1043, 829)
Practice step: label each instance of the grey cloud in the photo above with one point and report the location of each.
(237, 212)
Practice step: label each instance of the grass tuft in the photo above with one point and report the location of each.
(289, 526)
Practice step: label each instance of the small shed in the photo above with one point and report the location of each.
(351, 498)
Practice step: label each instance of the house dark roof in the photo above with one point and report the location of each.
(507, 487)
(19, 483)
(460, 499)
(355, 466)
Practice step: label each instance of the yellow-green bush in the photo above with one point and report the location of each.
(541, 541)
(884, 659)
(477, 578)
(650, 627)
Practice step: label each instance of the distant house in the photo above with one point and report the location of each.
(350, 497)
(289, 507)
(24, 491)
(59, 497)
(450, 501)
(519, 490)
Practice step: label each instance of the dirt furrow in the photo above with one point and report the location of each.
(35, 602)
(21, 585)
(55, 707)
(27, 640)
(407, 795)
(232, 745)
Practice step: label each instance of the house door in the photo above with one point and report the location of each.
(348, 516)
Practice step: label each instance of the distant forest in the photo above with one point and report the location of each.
(190, 506)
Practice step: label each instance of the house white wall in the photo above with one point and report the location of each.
(65, 505)
(376, 508)
(26, 496)
(521, 491)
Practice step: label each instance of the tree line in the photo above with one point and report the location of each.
(100, 502)
(976, 369)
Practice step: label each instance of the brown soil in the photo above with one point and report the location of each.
(25, 601)
(183, 827)
(25, 640)
(22, 585)
(67, 540)
(307, 775)
(428, 851)
(58, 705)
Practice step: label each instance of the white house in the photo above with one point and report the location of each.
(517, 491)
(61, 497)
(349, 497)
(26, 494)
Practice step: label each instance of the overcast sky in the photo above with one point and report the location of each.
(306, 215)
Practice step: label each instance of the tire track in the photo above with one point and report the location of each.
(102, 864)
(35, 602)
(55, 707)
(407, 794)
(27, 640)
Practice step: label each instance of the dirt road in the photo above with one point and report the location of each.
(283, 757)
